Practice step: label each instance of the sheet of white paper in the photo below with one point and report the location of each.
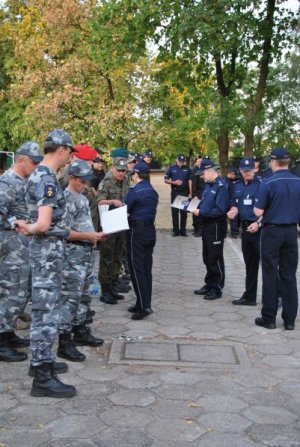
(181, 202)
(193, 204)
(115, 220)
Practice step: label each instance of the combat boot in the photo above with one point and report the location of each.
(67, 349)
(7, 353)
(58, 368)
(120, 287)
(83, 337)
(114, 292)
(106, 296)
(46, 384)
(17, 342)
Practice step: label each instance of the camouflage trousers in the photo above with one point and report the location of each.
(76, 285)
(46, 260)
(111, 257)
(14, 277)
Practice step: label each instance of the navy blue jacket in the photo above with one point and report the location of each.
(244, 198)
(141, 201)
(215, 201)
(279, 197)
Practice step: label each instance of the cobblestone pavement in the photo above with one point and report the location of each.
(194, 373)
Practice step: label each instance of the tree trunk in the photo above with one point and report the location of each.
(254, 108)
(223, 146)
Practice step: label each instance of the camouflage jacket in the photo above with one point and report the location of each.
(12, 199)
(112, 188)
(43, 189)
(78, 211)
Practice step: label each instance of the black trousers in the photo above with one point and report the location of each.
(176, 213)
(250, 249)
(279, 261)
(140, 244)
(213, 235)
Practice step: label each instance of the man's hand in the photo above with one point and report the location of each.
(253, 228)
(233, 212)
(22, 226)
(177, 182)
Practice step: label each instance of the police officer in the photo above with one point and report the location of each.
(142, 202)
(148, 157)
(98, 172)
(278, 204)
(179, 177)
(213, 208)
(49, 229)
(14, 255)
(243, 201)
(78, 266)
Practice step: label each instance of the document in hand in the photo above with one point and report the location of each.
(186, 204)
(115, 220)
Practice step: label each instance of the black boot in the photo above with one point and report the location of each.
(58, 368)
(106, 296)
(83, 337)
(114, 292)
(120, 287)
(46, 384)
(67, 349)
(17, 342)
(7, 353)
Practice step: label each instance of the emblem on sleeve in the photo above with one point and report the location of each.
(50, 191)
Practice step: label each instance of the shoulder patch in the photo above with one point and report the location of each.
(49, 191)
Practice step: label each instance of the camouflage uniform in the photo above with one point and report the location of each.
(46, 260)
(78, 264)
(112, 249)
(14, 256)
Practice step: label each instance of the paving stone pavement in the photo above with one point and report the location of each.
(194, 373)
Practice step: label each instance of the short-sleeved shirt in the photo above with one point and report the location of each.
(79, 212)
(215, 201)
(183, 173)
(279, 197)
(12, 199)
(141, 201)
(43, 189)
(244, 198)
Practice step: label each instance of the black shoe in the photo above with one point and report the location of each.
(213, 295)
(90, 313)
(198, 233)
(114, 293)
(121, 287)
(58, 368)
(7, 353)
(289, 326)
(203, 291)
(175, 233)
(107, 299)
(183, 234)
(142, 314)
(46, 384)
(83, 337)
(134, 309)
(260, 322)
(243, 302)
(235, 236)
(67, 349)
(17, 342)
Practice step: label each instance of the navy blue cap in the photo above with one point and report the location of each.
(180, 157)
(206, 164)
(141, 168)
(148, 153)
(279, 153)
(247, 164)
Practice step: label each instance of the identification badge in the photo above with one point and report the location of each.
(247, 201)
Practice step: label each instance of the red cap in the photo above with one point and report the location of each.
(85, 152)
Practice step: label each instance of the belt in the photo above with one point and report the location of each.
(81, 243)
(279, 225)
(141, 223)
